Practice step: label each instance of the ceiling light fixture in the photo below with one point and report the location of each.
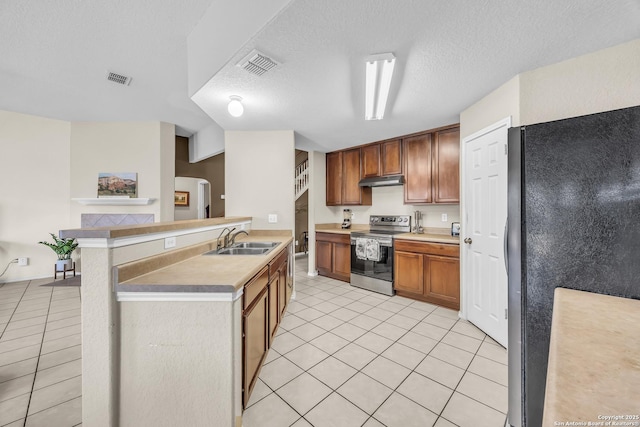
(379, 70)
(235, 107)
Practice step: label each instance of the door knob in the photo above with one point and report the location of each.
(468, 240)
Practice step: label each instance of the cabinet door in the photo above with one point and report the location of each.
(391, 157)
(334, 179)
(409, 272)
(274, 310)
(342, 261)
(442, 281)
(446, 166)
(371, 160)
(323, 257)
(351, 191)
(282, 289)
(255, 342)
(417, 169)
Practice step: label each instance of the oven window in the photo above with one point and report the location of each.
(382, 269)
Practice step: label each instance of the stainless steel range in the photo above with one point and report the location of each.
(372, 252)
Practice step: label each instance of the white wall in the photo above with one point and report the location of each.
(259, 171)
(147, 148)
(35, 176)
(600, 81)
(502, 102)
(206, 143)
(190, 185)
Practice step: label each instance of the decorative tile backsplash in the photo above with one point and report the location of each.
(109, 220)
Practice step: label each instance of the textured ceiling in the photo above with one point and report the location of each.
(54, 56)
(449, 55)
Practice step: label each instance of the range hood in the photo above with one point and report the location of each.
(382, 181)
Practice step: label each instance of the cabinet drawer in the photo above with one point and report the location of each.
(255, 286)
(443, 249)
(277, 262)
(333, 238)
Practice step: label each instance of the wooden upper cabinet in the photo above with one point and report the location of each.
(351, 194)
(446, 166)
(391, 157)
(334, 178)
(417, 169)
(371, 160)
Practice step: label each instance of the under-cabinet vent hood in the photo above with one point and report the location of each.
(382, 181)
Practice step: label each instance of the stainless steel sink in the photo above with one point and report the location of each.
(255, 245)
(246, 248)
(243, 251)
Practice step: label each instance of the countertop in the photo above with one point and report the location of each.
(156, 227)
(209, 273)
(433, 235)
(594, 360)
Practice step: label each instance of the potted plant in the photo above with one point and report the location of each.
(63, 248)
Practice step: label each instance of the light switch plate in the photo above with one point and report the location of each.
(169, 242)
(273, 218)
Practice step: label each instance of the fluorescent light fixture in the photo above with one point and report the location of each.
(379, 70)
(235, 107)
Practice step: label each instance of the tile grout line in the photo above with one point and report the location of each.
(26, 415)
(13, 312)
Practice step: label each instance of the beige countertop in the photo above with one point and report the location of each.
(594, 360)
(435, 235)
(156, 227)
(209, 273)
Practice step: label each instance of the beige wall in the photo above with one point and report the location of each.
(259, 171)
(600, 81)
(190, 185)
(34, 171)
(499, 104)
(146, 148)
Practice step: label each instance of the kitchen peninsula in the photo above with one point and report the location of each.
(163, 324)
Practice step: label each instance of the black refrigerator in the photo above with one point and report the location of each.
(574, 222)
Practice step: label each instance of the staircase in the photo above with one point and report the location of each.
(302, 178)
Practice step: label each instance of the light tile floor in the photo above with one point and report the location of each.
(40, 355)
(343, 356)
(347, 357)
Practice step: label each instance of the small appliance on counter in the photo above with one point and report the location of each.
(455, 228)
(346, 218)
(417, 223)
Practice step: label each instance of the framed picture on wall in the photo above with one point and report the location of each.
(114, 185)
(181, 198)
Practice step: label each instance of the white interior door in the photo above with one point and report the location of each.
(483, 228)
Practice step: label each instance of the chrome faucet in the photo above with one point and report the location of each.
(233, 237)
(225, 239)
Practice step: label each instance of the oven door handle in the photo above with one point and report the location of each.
(382, 244)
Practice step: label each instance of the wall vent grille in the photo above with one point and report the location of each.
(257, 63)
(119, 78)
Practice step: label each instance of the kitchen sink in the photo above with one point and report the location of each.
(246, 248)
(255, 245)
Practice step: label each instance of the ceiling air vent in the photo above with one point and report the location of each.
(257, 63)
(119, 78)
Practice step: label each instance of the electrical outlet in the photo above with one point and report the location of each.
(353, 215)
(169, 242)
(273, 218)
(444, 217)
(23, 261)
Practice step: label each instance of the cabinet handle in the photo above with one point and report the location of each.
(468, 240)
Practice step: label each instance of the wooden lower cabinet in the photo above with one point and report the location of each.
(333, 255)
(265, 300)
(255, 330)
(428, 272)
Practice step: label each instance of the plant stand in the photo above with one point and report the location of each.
(64, 271)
